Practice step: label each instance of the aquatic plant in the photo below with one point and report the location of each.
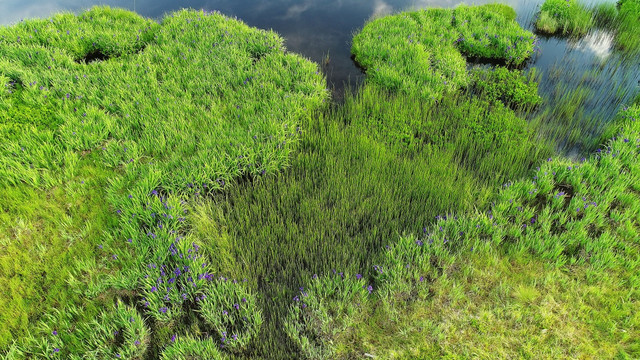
(628, 37)
(326, 307)
(232, 311)
(567, 17)
(147, 87)
(119, 332)
(511, 87)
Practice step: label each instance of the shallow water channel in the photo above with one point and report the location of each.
(586, 74)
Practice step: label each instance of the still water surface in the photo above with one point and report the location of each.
(321, 29)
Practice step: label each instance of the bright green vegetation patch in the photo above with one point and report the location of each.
(468, 283)
(43, 236)
(628, 37)
(184, 348)
(149, 116)
(183, 100)
(484, 305)
(423, 52)
(512, 88)
(567, 17)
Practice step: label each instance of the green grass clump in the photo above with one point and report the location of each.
(186, 347)
(511, 87)
(628, 37)
(423, 52)
(119, 332)
(44, 235)
(566, 17)
(171, 112)
(339, 297)
(571, 215)
(228, 308)
(176, 100)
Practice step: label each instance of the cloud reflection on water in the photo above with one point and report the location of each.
(600, 43)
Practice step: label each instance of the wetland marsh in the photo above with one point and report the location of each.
(195, 187)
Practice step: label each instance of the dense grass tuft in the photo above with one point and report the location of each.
(423, 52)
(169, 112)
(628, 37)
(43, 237)
(566, 17)
(184, 348)
(511, 87)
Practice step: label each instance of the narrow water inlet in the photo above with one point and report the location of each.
(584, 83)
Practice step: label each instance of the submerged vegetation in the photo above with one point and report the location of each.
(192, 194)
(570, 17)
